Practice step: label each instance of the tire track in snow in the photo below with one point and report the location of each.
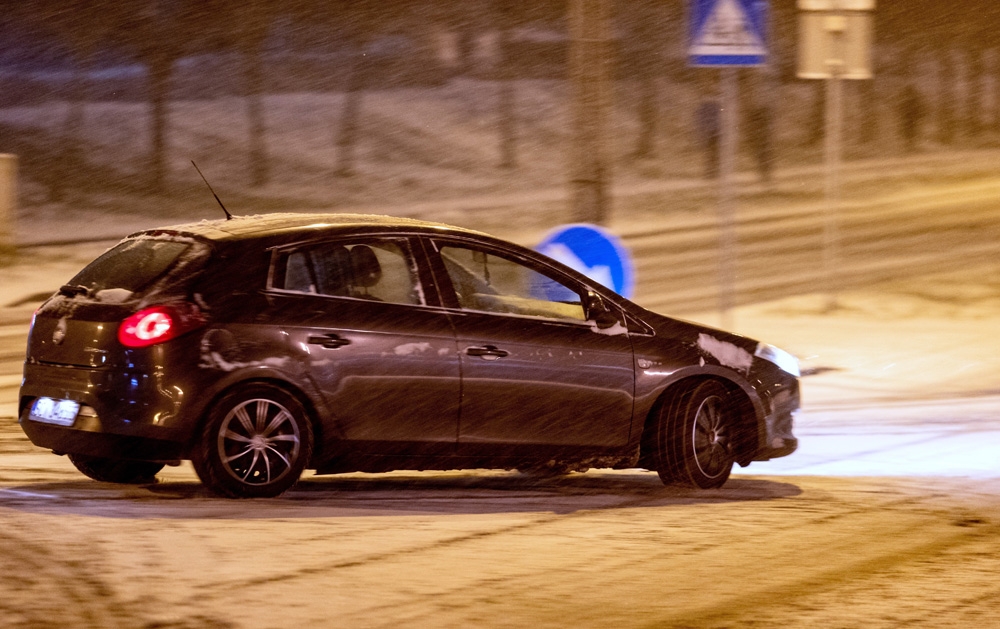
(45, 589)
(864, 563)
(670, 495)
(461, 604)
(222, 589)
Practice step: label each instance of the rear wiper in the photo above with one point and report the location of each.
(72, 290)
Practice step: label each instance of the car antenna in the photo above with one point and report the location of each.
(229, 216)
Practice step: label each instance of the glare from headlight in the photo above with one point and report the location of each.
(785, 361)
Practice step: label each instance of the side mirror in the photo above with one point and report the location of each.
(598, 312)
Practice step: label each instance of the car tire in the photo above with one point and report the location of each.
(696, 433)
(255, 443)
(116, 470)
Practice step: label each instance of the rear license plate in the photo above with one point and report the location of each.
(51, 411)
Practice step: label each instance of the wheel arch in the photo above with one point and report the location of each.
(751, 415)
(308, 404)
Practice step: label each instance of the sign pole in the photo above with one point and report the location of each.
(727, 195)
(835, 41)
(728, 34)
(831, 225)
(590, 80)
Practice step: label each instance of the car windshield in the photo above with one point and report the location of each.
(131, 265)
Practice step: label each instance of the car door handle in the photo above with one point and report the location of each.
(487, 352)
(329, 341)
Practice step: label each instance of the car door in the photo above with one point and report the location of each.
(384, 359)
(535, 370)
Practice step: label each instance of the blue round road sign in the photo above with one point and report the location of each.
(593, 251)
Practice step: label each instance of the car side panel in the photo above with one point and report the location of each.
(558, 383)
(549, 382)
(389, 373)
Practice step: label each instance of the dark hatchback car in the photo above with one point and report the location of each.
(258, 347)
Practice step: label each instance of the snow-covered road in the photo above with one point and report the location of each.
(957, 437)
(496, 549)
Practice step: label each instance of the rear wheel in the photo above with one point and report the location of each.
(696, 435)
(255, 444)
(116, 470)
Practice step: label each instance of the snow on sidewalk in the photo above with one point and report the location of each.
(900, 380)
(931, 337)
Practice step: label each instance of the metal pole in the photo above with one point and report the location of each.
(831, 224)
(727, 196)
(590, 85)
(8, 203)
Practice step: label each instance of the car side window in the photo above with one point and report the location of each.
(372, 269)
(489, 282)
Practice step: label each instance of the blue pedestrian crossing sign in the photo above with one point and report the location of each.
(728, 32)
(594, 252)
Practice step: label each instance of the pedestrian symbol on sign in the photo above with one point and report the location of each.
(728, 32)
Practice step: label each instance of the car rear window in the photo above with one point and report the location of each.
(131, 265)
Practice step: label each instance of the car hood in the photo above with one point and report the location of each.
(714, 345)
(683, 330)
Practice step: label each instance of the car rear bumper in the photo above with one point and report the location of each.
(80, 440)
(118, 423)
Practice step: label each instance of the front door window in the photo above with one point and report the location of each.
(490, 283)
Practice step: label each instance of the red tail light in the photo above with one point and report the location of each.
(158, 324)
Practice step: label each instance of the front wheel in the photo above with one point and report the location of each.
(255, 444)
(696, 436)
(116, 470)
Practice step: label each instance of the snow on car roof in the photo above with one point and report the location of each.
(241, 226)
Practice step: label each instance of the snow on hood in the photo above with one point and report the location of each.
(728, 354)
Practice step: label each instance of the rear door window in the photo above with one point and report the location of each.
(373, 269)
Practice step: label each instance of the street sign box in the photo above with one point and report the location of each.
(728, 32)
(835, 36)
(836, 5)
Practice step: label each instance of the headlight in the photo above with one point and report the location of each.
(785, 361)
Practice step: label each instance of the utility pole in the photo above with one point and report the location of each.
(590, 59)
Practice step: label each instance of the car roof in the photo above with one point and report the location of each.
(261, 225)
